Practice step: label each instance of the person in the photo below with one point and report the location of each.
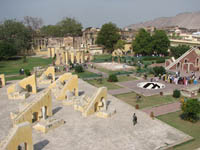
(134, 119)
(0, 83)
(179, 73)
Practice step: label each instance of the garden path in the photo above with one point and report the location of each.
(163, 109)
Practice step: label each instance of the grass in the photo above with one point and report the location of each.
(104, 70)
(109, 85)
(123, 78)
(87, 74)
(113, 72)
(17, 77)
(192, 129)
(145, 101)
(102, 58)
(10, 67)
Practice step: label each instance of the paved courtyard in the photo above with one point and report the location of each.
(92, 133)
(169, 88)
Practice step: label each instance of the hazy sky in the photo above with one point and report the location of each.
(96, 12)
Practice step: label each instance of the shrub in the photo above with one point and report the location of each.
(27, 72)
(176, 93)
(159, 70)
(112, 78)
(79, 69)
(24, 59)
(160, 60)
(145, 65)
(191, 110)
(139, 68)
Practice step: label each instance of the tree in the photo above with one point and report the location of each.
(160, 42)
(15, 37)
(7, 49)
(191, 110)
(70, 27)
(66, 27)
(79, 69)
(159, 70)
(179, 50)
(120, 44)
(176, 93)
(108, 36)
(142, 43)
(51, 31)
(112, 78)
(33, 23)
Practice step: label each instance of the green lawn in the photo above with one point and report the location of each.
(102, 58)
(87, 74)
(12, 66)
(17, 77)
(123, 78)
(192, 129)
(104, 70)
(145, 101)
(109, 85)
(114, 72)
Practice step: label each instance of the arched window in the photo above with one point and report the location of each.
(186, 60)
(178, 66)
(197, 62)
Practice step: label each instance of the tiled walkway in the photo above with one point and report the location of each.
(163, 109)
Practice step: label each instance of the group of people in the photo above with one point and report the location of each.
(178, 79)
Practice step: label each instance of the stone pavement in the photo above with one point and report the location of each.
(163, 109)
(169, 88)
(92, 133)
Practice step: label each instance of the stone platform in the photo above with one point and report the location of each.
(93, 133)
(168, 90)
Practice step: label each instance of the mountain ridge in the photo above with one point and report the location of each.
(190, 20)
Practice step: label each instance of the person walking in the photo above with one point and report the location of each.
(134, 119)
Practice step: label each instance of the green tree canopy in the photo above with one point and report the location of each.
(15, 37)
(120, 44)
(51, 31)
(179, 50)
(142, 43)
(70, 27)
(108, 36)
(160, 42)
(146, 44)
(66, 27)
(191, 109)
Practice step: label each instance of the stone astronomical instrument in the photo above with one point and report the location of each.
(151, 85)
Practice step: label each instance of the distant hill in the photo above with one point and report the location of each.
(190, 20)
